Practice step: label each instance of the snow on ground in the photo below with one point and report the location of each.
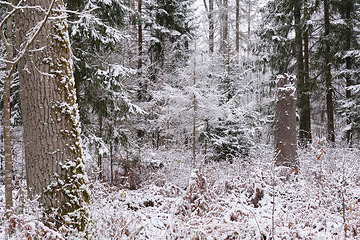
(249, 199)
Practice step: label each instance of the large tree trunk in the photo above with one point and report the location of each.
(53, 154)
(285, 123)
(328, 76)
(6, 114)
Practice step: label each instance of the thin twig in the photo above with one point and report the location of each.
(31, 40)
(7, 44)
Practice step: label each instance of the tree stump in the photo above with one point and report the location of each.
(285, 122)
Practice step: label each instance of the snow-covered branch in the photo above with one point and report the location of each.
(15, 8)
(23, 51)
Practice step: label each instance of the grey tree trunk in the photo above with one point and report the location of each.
(6, 114)
(53, 154)
(237, 34)
(249, 26)
(211, 26)
(224, 19)
(140, 38)
(226, 27)
(285, 122)
(210, 16)
(194, 117)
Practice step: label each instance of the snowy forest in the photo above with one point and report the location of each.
(180, 119)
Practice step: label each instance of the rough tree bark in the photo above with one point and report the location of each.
(53, 154)
(285, 122)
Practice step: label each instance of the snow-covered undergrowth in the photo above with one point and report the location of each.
(249, 199)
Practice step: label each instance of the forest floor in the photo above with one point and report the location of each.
(248, 199)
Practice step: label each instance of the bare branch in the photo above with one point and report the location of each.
(31, 40)
(207, 10)
(3, 23)
(37, 7)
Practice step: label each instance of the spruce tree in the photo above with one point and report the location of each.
(347, 58)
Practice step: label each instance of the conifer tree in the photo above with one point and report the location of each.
(169, 25)
(347, 55)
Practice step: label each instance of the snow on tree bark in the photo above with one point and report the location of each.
(285, 122)
(53, 154)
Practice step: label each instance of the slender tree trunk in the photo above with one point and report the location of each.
(226, 28)
(53, 151)
(211, 26)
(111, 164)
(99, 153)
(237, 34)
(348, 66)
(306, 111)
(249, 27)
(328, 76)
(139, 38)
(194, 118)
(6, 114)
(210, 15)
(142, 82)
(301, 94)
(133, 15)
